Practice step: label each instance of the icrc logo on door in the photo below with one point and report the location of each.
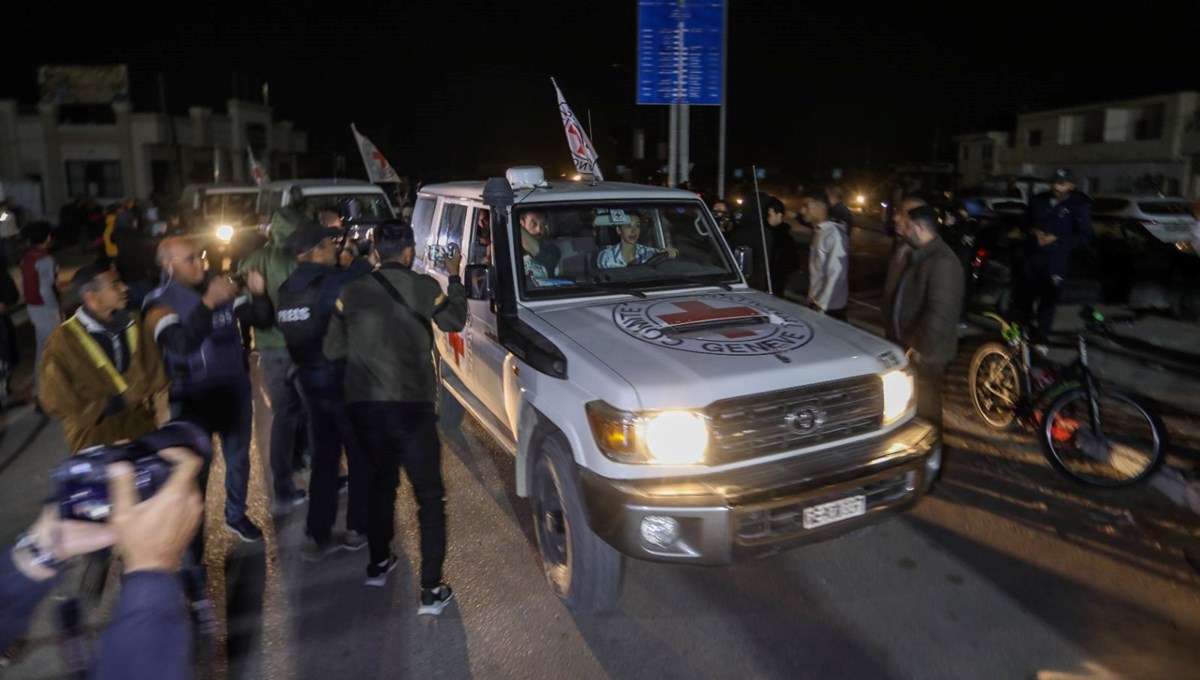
(712, 324)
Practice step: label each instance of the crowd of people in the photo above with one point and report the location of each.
(342, 341)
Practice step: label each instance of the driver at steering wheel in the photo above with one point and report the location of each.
(628, 251)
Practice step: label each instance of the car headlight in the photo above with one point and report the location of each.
(898, 393)
(225, 233)
(651, 437)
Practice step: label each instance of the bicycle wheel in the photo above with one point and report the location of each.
(1125, 448)
(995, 384)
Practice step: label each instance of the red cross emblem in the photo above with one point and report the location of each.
(577, 140)
(695, 311)
(379, 157)
(456, 343)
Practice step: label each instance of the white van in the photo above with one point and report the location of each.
(354, 199)
(662, 410)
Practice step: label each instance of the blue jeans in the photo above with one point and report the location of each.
(228, 415)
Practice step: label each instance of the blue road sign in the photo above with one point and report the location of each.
(679, 51)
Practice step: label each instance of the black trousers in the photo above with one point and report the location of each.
(1040, 285)
(331, 431)
(395, 435)
(929, 392)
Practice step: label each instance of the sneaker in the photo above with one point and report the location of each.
(245, 529)
(377, 573)
(434, 600)
(354, 540)
(315, 551)
(284, 502)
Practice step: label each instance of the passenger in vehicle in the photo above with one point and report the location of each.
(540, 258)
(628, 251)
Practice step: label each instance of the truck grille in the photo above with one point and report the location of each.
(764, 424)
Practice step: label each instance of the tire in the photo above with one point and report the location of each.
(994, 382)
(1130, 446)
(582, 570)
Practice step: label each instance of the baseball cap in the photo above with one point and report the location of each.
(309, 236)
(1062, 175)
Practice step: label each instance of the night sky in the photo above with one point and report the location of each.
(450, 89)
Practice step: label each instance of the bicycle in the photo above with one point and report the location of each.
(1093, 433)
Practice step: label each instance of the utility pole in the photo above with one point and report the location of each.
(172, 140)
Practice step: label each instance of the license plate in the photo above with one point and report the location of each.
(834, 511)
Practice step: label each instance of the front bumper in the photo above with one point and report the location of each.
(730, 516)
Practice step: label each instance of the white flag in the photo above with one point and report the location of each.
(256, 169)
(582, 151)
(378, 169)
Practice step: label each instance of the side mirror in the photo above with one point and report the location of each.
(744, 256)
(480, 281)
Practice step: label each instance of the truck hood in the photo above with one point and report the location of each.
(691, 350)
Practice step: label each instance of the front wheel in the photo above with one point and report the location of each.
(582, 570)
(1123, 446)
(994, 381)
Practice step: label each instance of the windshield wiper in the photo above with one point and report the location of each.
(692, 280)
(609, 289)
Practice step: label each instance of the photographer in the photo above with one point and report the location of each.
(194, 321)
(307, 300)
(149, 635)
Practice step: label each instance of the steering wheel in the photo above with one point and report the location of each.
(657, 259)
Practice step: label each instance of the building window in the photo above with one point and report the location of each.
(94, 179)
(966, 153)
(1033, 138)
(987, 153)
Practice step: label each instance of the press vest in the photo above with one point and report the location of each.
(303, 322)
(218, 363)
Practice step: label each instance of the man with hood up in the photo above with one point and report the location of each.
(276, 261)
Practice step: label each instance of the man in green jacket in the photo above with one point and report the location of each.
(276, 262)
(382, 327)
(923, 311)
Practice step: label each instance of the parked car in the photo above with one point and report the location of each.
(1170, 219)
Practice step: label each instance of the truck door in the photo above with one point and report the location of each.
(484, 350)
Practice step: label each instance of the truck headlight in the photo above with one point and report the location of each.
(650, 437)
(225, 233)
(898, 393)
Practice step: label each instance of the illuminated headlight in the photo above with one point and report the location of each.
(860, 199)
(655, 438)
(225, 233)
(898, 393)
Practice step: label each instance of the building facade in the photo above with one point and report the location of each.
(981, 155)
(1145, 145)
(109, 152)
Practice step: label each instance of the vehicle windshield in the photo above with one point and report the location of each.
(233, 209)
(1179, 208)
(351, 206)
(594, 248)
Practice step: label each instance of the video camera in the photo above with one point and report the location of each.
(79, 484)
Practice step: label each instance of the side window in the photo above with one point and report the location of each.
(422, 222)
(450, 230)
(481, 237)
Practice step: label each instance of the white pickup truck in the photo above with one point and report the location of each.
(657, 406)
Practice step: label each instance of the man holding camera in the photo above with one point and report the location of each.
(149, 636)
(98, 374)
(382, 329)
(194, 321)
(306, 302)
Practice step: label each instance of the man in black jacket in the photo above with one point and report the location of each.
(1058, 221)
(307, 299)
(382, 329)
